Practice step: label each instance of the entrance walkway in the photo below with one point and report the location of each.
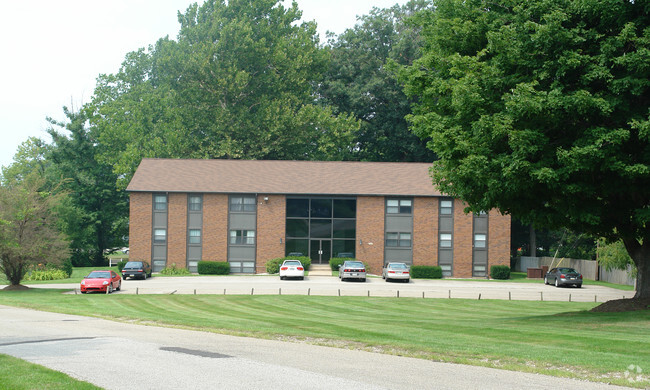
(320, 270)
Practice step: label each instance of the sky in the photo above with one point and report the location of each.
(53, 51)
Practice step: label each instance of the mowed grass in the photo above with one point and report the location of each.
(556, 338)
(17, 374)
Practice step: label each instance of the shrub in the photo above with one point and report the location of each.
(500, 272)
(67, 267)
(213, 268)
(273, 265)
(50, 274)
(174, 271)
(426, 272)
(121, 264)
(335, 262)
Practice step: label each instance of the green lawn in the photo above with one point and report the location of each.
(17, 374)
(556, 338)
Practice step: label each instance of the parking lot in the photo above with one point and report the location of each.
(373, 287)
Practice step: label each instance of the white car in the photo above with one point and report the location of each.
(292, 269)
(393, 271)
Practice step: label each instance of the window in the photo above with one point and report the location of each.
(159, 236)
(446, 207)
(401, 240)
(195, 236)
(399, 206)
(480, 240)
(242, 237)
(195, 203)
(160, 202)
(445, 240)
(244, 204)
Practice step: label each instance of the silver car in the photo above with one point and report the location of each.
(352, 270)
(563, 277)
(394, 271)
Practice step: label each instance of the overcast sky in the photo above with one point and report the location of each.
(52, 51)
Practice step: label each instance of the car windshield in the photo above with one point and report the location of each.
(354, 264)
(397, 266)
(133, 264)
(99, 275)
(567, 270)
(292, 262)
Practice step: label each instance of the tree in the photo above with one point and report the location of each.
(95, 215)
(359, 82)
(28, 233)
(614, 256)
(238, 83)
(31, 157)
(540, 108)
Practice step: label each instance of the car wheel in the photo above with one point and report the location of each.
(144, 276)
(281, 277)
(363, 280)
(83, 292)
(119, 286)
(579, 285)
(408, 280)
(557, 283)
(387, 279)
(110, 288)
(545, 279)
(302, 278)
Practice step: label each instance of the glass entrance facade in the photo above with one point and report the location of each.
(321, 227)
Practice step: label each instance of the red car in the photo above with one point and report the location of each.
(102, 281)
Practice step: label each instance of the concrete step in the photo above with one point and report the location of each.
(320, 270)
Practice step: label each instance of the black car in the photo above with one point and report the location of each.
(563, 277)
(141, 269)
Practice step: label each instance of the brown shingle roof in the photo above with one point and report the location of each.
(283, 177)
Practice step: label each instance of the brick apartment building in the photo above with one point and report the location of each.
(248, 212)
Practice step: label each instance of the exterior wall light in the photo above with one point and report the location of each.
(266, 199)
(360, 242)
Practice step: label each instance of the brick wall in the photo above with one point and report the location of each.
(177, 230)
(370, 230)
(463, 237)
(499, 239)
(271, 222)
(140, 229)
(425, 231)
(215, 227)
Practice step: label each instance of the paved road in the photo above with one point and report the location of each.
(376, 287)
(128, 356)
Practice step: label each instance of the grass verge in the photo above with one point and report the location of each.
(557, 338)
(18, 374)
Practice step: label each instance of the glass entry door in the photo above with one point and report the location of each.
(320, 251)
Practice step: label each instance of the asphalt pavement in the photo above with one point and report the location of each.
(116, 355)
(374, 286)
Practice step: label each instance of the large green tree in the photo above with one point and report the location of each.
(28, 226)
(30, 157)
(238, 82)
(95, 214)
(358, 82)
(541, 108)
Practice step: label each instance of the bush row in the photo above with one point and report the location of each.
(172, 270)
(213, 268)
(49, 274)
(426, 272)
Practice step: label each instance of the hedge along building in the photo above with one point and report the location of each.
(248, 212)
